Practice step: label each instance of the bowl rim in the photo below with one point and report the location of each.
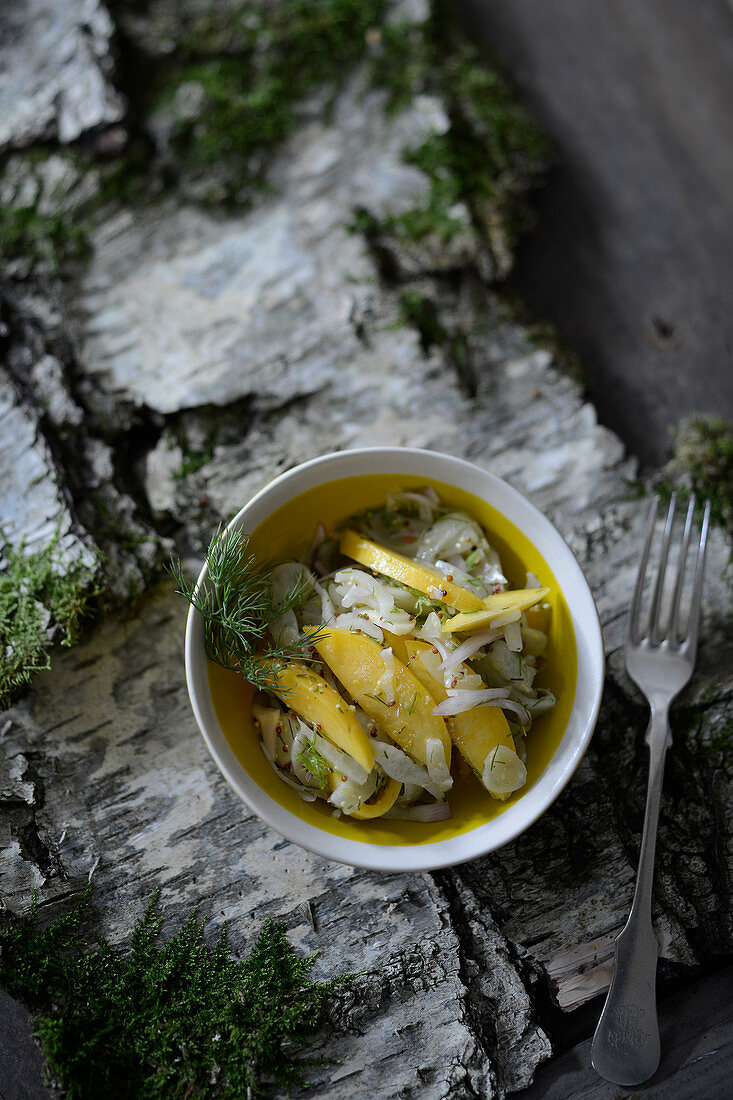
(586, 624)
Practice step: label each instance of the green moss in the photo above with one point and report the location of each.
(165, 1020)
(400, 61)
(722, 739)
(416, 309)
(40, 239)
(249, 99)
(193, 461)
(703, 456)
(193, 458)
(492, 152)
(39, 593)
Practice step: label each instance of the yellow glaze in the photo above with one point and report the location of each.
(287, 533)
(385, 801)
(492, 607)
(357, 662)
(308, 694)
(420, 577)
(475, 733)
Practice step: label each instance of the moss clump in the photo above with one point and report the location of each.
(703, 457)
(40, 240)
(722, 739)
(193, 461)
(164, 1020)
(42, 598)
(230, 110)
(417, 310)
(492, 152)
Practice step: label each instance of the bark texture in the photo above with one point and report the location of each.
(190, 357)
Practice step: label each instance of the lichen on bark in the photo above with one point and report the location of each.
(702, 462)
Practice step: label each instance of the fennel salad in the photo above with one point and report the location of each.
(391, 658)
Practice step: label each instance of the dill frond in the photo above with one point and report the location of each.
(239, 606)
(311, 759)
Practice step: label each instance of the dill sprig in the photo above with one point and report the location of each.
(238, 606)
(178, 1019)
(311, 759)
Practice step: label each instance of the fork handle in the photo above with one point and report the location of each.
(626, 1047)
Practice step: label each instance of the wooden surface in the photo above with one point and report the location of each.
(697, 1052)
(631, 254)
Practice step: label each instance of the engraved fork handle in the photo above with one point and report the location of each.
(626, 1043)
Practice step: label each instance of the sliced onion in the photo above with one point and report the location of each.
(437, 764)
(350, 620)
(503, 771)
(340, 761)
(462, 700)
(460, 680)
(516, 708)
(328, 611)
(513, 637)
(468, 648)
(410, 793)
(500, 658)
(303, 738)
(284, 628)
(431, 661)
(542, 703)
(513, 615)
(284, 578)
(300, 743)
(424, 506)
(438, 811)
(398, 765)
(348, 795)
(431, 632)
(306, 793)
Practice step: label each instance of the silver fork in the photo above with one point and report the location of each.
(660, 660)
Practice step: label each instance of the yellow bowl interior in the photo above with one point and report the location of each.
(287, 533)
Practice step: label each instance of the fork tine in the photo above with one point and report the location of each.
(690, 639)
(654, 631)
(673, 628)
(632, 622)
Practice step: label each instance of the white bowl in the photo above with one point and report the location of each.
(281, 519)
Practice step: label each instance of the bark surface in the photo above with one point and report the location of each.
(191, 357)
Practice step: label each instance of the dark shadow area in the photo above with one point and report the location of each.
(630, 259)
(20, 1056)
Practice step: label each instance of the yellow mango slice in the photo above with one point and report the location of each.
(396, 643)
(308, 694)
(493, 606)
(399, 568)
(538, 618)
(357, 662)
(369, 810)
(475, 733)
